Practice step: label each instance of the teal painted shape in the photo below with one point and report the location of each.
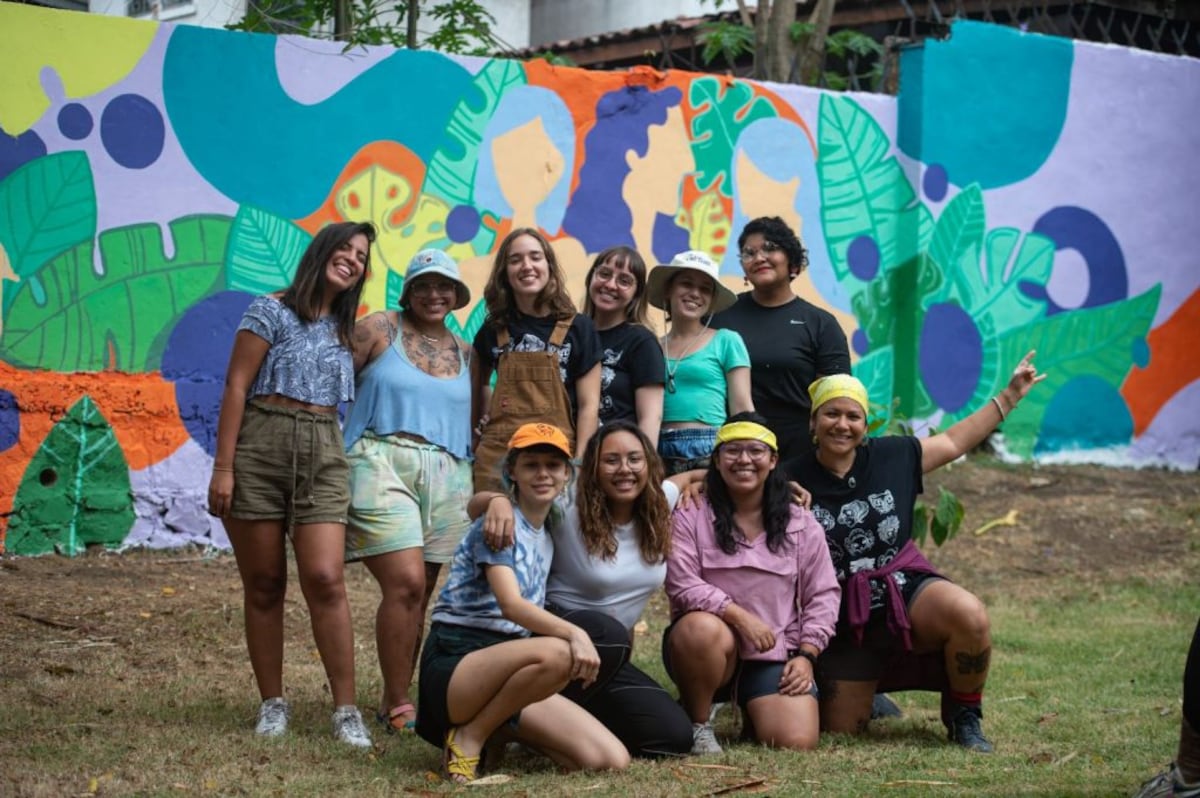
(1086, 413)
(988, 104)
(258, 146)
(263, 251)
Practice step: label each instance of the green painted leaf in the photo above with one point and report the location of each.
(263, 251)
(451, 173)
(47, 206)
(874, 370)
(722, 113)
(75, 490)
(1034, 262)
(468, 331)
(1097, 342)
(955, 247)
(118, 320)
(864, 191)
(393, 290)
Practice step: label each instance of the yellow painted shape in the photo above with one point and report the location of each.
(655, 181)
(528, 167)
(708, 226)
(90, 52)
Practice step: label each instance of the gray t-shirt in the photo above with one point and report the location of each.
(306, 362)
(619, 587)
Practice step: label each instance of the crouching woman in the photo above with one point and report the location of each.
(481, 671)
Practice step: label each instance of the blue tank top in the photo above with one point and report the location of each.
(393, 395)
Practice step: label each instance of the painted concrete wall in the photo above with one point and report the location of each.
(1023, 193)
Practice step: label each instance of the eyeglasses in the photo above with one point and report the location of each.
(426, 287)
(624, 280)
(634, 461)
(757, 452)
(767, 248)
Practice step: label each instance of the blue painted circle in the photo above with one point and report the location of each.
(950, 356)
(196, 357)
(858, 340)
(862, 256)
(10, 421)
(462, 224)
(75, 121)
(133, 131)
(1086, 413)
(1079, 229)
(16, 151)
(936, 182)
(1141, 352)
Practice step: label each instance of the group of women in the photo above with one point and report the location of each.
(600, 465)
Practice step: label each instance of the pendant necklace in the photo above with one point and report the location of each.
(687, 351)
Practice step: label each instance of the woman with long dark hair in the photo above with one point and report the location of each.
(753, 595)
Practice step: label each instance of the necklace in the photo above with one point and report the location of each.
(679, 360)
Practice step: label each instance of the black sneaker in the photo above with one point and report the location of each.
(965, 729)
(882, 706)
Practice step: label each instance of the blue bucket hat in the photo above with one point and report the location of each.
(434, 261)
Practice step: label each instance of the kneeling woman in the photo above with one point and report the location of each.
(753, 595)
(480, 669)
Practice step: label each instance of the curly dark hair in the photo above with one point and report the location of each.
(305, 295)
(776, 501)
(776, 230)
(651, 514)
(498, 294)
(628, 257)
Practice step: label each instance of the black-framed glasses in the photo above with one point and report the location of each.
(624, 280)
(768, 247)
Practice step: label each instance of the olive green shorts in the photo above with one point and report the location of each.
(290, 465)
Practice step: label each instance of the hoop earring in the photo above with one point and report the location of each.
(745, 281)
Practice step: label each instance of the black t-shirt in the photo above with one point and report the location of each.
(868, 514)
(790, 346)
(578, 354)
(630, 358)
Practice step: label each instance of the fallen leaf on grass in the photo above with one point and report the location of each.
(168, 591)
(1009, 519)
(144, 615)
(488, 781)
(740, 786)
(641, 628)
(1049, 717)
(1162, 713)
(1062, 760)
(918, 782)
(709, 767)
(59, 670)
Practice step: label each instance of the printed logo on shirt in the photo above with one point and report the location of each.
(795, 321)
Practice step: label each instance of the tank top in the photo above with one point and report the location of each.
(394, 395)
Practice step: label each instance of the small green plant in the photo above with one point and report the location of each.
(945, 519)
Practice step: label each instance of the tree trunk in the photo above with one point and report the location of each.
(341, 20)
(414, 10)
(812, 59)
(781, 50)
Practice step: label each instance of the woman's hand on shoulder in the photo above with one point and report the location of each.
(371, 334)
(499, 523)
(800, 495)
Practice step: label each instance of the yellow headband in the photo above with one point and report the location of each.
(837, 386)
(746, 431)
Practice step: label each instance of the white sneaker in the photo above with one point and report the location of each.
(704, 740)
(273, 716)
(348, 727)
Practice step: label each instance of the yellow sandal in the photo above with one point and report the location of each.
(460, 768)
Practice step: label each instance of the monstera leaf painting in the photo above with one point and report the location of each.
(121, 318)
(47, 206)
(263, 251)
(723, 110)
(75, 491)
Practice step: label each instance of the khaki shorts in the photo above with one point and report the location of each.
(405, 495)
(290, 464)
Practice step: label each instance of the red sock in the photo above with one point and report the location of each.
(966, 699)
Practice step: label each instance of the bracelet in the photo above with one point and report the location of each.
(223, 468)
(999, 408)
(808, 655)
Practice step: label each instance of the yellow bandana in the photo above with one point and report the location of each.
(837, 386)
(746, 431)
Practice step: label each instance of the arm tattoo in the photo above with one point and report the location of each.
(973, 663)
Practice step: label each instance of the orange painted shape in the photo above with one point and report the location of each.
(140, 407)
(1173, 365)
(390, 155)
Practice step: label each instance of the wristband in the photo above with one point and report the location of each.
(808, 655)
(999, 408)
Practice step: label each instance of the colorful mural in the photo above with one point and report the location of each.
(1022, 192)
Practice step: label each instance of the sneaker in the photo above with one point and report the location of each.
(965, 729)
(348, 727)
(883, 706)
(273, 716)
(704, 740)
(1168, 784)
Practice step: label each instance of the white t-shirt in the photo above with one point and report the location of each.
(619, 587)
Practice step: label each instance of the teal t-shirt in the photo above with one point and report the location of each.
(700, 388)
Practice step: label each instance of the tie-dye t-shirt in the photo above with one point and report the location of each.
(306, 362)
(467, 598)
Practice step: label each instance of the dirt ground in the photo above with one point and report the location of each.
(1086, 523)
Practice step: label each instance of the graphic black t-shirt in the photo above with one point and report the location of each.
(790, 346)
(868, 514)
(578, 354)
(630, 358)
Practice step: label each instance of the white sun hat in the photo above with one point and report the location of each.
(661, 275)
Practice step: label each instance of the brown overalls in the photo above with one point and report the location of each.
(529, 388)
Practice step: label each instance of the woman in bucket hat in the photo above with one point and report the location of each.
(707, 371)
(495, 658)
(408, 439)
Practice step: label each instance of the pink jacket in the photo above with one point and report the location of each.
(794, 591)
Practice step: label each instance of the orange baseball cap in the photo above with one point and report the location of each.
(540, 435)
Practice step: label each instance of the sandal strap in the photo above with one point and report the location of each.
(458, 763)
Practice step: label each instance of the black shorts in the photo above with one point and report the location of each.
(444, 648)
(845, 660)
